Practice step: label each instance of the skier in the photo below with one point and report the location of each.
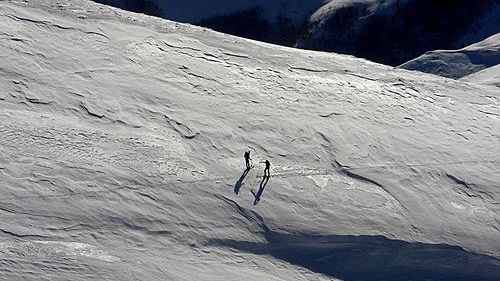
(268, 165)
(247, 159)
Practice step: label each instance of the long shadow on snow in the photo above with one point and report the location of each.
(239, 183)
(369, 258)
(263, 183)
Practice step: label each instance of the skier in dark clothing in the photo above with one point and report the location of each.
(247, 159)
(268, 165)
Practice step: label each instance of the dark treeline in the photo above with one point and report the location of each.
(253, 25)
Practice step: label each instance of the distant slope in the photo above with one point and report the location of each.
(459, 63)
(488, 76)
(395, 31)
(121, 157)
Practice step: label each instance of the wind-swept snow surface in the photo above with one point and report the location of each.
(122, 138)
(488, 76)
(480, 57)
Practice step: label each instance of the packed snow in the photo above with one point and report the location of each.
(464, 63)
(121, 157)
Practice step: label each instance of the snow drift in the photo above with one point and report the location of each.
(488, 76)
(480, 57)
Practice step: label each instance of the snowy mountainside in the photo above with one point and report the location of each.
(396, 31)
(390, 32)
(122, 140)
(488, 76)
(461, 63)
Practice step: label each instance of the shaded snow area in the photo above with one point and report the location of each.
(481, 57)
(331, 6)
(121, 157)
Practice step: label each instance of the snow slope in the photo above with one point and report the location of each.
(488, 76)
(122, 138)
(461, 63)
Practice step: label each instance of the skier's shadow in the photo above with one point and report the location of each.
(239, 183)
(263, 184)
